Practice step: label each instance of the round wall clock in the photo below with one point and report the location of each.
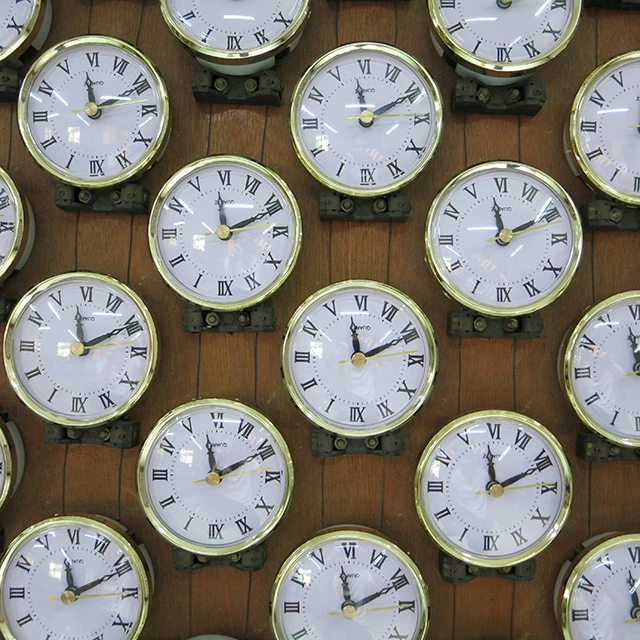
(225, 232)
(73, 577)
(349, 584)
(237, 41)
(23, 25)
(601, 368)
(503, 238)
(603, 130)
(215, 477)
(80, 349)
(596, 594)
(493, 488)
(17, 227)
(366, 118)
(359, 358)
(11, 459)
(94, 112)
(499, 40)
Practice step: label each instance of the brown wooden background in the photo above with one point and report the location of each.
(474, 374)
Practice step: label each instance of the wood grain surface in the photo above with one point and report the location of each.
(474, 373)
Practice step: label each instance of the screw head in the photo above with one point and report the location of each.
(379, 205)
(483, 94)
(510, 324)
(480, 324)
(340, 443)
(615, 215)
(212, 319)
(221, 85)
(250, 85)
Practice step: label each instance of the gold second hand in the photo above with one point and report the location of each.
(110, 106)
(531, 228)
(383, 355)
(392, 115)
(110, 344)
(240, 473)
(89, 595)
(254, 226)
(369, 609)
(524, 486)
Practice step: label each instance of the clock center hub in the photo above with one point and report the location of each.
(77, 349)
(223, 232)
(366, 118)
(358, 359)
(91, 109)
(68, 597)
(505, 236)
(213, 478)
(496, 490)
(349, 611)
(504, 4)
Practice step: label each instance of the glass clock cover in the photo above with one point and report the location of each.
(493, 488)
(359, 358)
(215, 477)
(366, 118)
(225, 232)
(503, 238)
(80, 349)
(94, 111)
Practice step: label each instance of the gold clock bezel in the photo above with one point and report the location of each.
(138, 167)
(340, 533)
(8, 459)
(403, 299)
(441, 274)
(484, 416)
(575, 153)
(156, 433)
(243, 56)
(270, 176)
(495, 69)
(566, 356)
(22, 306)
(298, 95)
(125, 543)
(21, 230)
(29, 32)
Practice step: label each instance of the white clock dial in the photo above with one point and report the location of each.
(359, 358)
(601, 368)
(229, 33)
(493, 488)
(72, 577)
(599, 597)
(93, 111)
(19, 21)
(80, 349)
(215, 477)
(604, 129)
(16, 227)
(507, 37)
(225, 232)
(503, 238)
(366, 118)
(349, 585)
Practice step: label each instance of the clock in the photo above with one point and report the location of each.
(493, 488)
(94, 112)
(80, 349)
(74, 577)
(596, 593)
(500, 40)
(603, 131)
(225, 232)
(23, 25)
(215, 477)
(503, 238)
(233, 41)
(17, 227)
(359, 358)
(349, 584)
(601, 368)
(366, 118)
(11, 459)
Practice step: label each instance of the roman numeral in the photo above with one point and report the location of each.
(251, 281)
(443, 458)
(490, 543)
(150, 109)
(261, 37)
(579, 615)
(292, 607)
(365, 66)
(314, 94)
(531, 288)
(245, 428)
(45, 88)
(123, 161)
(388, 311)
(101, 544)
(122, 566)
(33, 373)
(302, 356)
(140, 138)
(263, 505)
(494, 430)
(435, 486)
(587, 343)
(406, 389)
(451, 211)
(503, 294)
(589, 126)
(48, 142)
(233, 42)
(412, 147)
(106, 400)
(522, 439)
(96, 168)
(585, 584)
(366, 176)
(413, 359)
(78, 405)
(592, 398)
(503, 54)
(518, 538)
(595, 153)
(174, 262)
(356, 414)
(160, 475)
(224, 287)
(120, 65)
(538, 516)
(94, 58)
(552, 32)
(443, 513)
(252, 185)
(243, 526)
(265, 450)
(17, 592)
(399, 580)
(225, 177)
(215, 531)
(335, 73)
(581, 372)
(531, 50)
(311, 328)
(308, 384)
(280, 231)
(383, 407)
(349, 549)
(395, 170)
(24, 564)
(529, 192)
(391, 72)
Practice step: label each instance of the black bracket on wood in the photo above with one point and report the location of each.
(526, 97)
(116, 434)
(6, 305)
(594, 448)
(612, 4)
(465, 323)
(393, 207)
(264, 88)
(250, 559)
(456, 571)
(606, 214)
(197, 319)
(10, 82)
(127, 198)
(325, 444)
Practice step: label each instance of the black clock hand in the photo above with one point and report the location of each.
(383, 347)
(361, 99)
(387, 107)
(211, 455)
(373, 596)
(496, 211)
(237, 465)
(354, 337)
(633, 339)
(346, 592)
(91, 96)
(635, 601)
(79, 329)
(248, 221)
(103, 337)
(519, 476)
(491, 468)
(222, 215)
(69, 575)
(94, 583)
(524, 226)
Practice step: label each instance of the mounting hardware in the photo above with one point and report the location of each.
(6, 305)
(393, 207)
(263, 88)
(522, 98)
(127, 198)
(456, 571)
(607, 214)
(466, 323)
(197, 319)
(10, 82)
(250, 559)
(612, 4)
(325, 444)
(594, 448)
(116, 434)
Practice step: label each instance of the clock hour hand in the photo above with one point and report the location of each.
(346, 592)
(237, 465)
(221, 214)
(79, 329)
(355, 341)
(633, 592)
(491, 468)
(496, 212)
(69, 575)
(361, 97)
(633, 339)
(211, 455)
(373, 596)
(383, 347)
(518, 476)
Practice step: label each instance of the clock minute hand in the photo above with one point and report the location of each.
(633, 339)
(390, 105)
(237, 465)
(94, 583)
(247, 221)
(383, 347)
(103, 337)
(635, 611)
(518, 476)
(373, 596)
